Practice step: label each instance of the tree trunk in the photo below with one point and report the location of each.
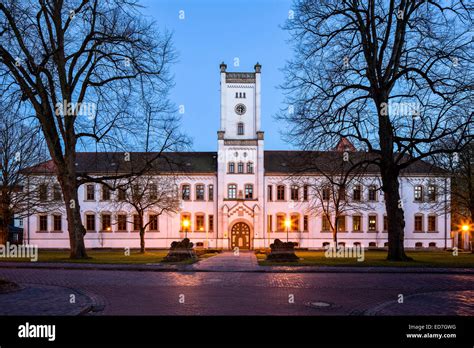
(389, 172)
(67, 180)
(395, 216)
(142, 240)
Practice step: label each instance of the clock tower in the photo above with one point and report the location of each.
(240, 160)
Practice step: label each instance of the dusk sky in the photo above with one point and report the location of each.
(213, 31)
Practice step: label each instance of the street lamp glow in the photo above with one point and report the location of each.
(465, 228)
(287, 223)
(185, 223)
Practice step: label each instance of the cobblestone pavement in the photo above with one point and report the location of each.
(34, 299)
(229, 261)
(250, 293)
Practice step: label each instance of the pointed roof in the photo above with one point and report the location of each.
(344, 145)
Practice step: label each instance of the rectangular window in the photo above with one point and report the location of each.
(305, 223)
(342, 193)
(106, 223)
(199, 192)
(57, 192)
(280, 223)
(90, 222)
(210, 193)
(122, 194)
(232, 191)
(270, 193)
(249, 191)
(305, 192)
(105, 193)
(153, 189)
(326, 194)
(136, 222)
(341, 223)
(200, 223)
(153, 222)
(240, 167)
(372, 193)
(90, 193)
(294, 193)
(357, 193)
(186, 192)
(43, 223)
(121, 222)
(418, 223)
(57, 223)
(43, 192)
(418, 193)
(269, 223)
(326, 224)
(211, 223)
(432, 223)
(280, 193)
(372, 223)
(356, 223)
(432, 193)
(385, 224)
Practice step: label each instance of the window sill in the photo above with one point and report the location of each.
(357, 232)
(418, 231)
(373, 231)
(121, 231)
(89, 200)
(57, 231)
(42, 231)
(432, 231)
(91, 231)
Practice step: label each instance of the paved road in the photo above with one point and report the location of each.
(247, 293)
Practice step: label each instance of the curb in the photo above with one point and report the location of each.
(258, 269)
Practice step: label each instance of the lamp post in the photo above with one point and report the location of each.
(287, 225)
(185, 227)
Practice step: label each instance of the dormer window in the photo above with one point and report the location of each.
(240, 128)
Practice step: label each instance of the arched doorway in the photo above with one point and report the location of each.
(240, 236)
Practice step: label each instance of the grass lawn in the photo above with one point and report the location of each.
(377, 258)
(106, 257)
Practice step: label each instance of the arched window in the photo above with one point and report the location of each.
(240, 167)
(418, 245)
(250, 167)
(231, 167)
(372, 244)
(326, 245)
(248, 191)
(232, 191)
(432, 245)
(240, 128)
(280, 222)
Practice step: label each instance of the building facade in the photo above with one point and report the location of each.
(243, 196)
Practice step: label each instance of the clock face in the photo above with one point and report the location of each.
(240, 109)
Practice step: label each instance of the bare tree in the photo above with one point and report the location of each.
(21, 146)
(82, 67)
(394, 77)
(337, 173)
(152, 194)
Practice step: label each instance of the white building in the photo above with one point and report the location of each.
(241, 195)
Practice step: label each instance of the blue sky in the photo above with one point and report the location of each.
(213, 31)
